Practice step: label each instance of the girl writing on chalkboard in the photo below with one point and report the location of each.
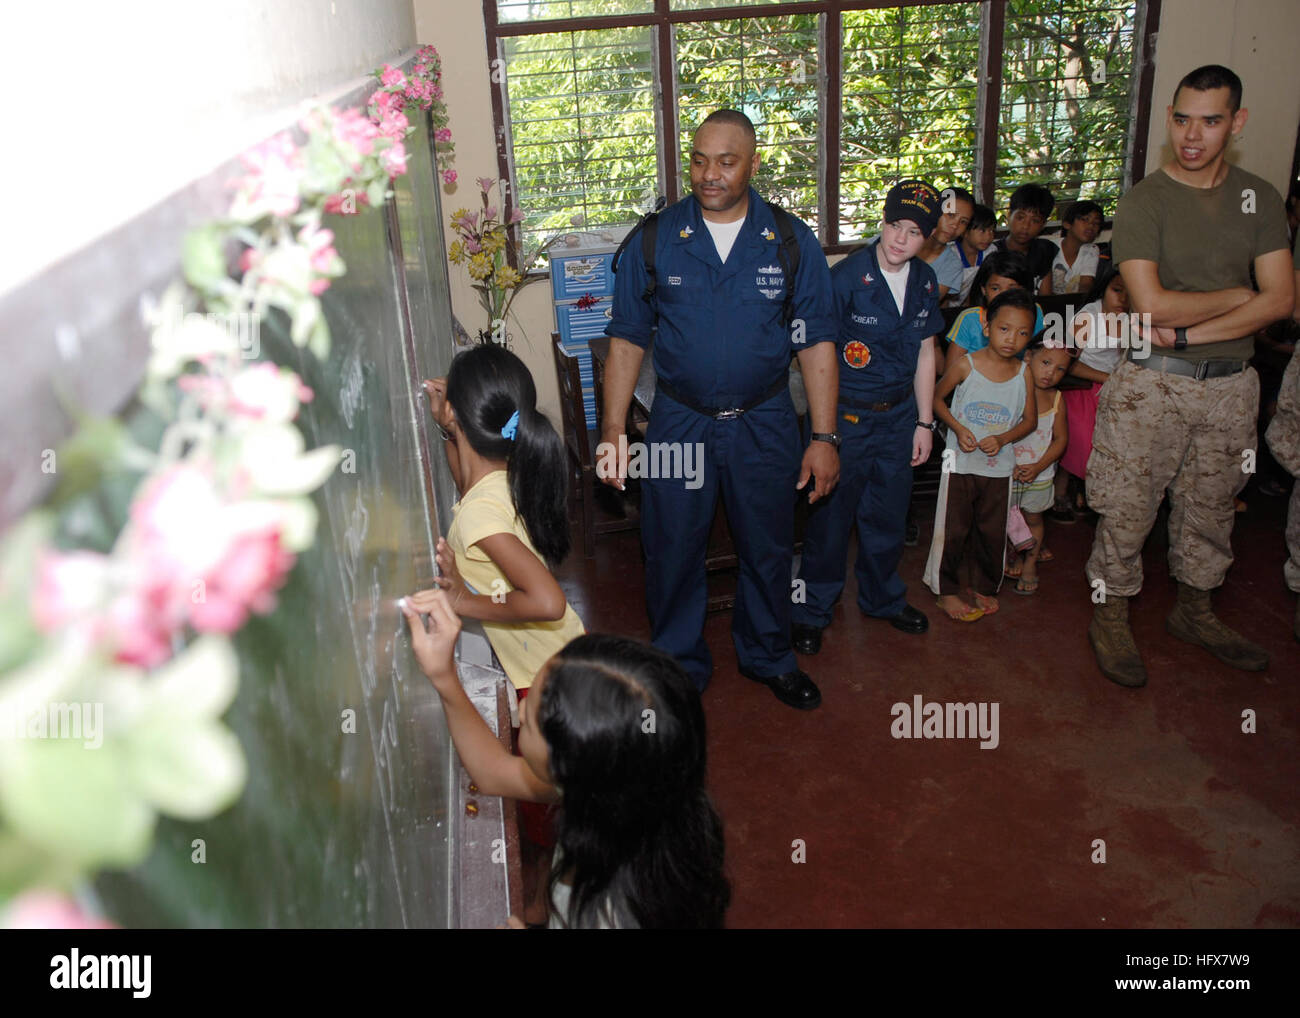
(614, 731)
(510, 524)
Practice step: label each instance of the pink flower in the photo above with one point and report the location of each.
(264, 392)
(383, 103)
(246, 578)
(271, 185)
(472, 245)
(356, 130)
(489, 212)
(47, 910)
(323, 259)
(391, 77)
(442, 135)
(393, 159)
(485, 183)
(449, 176)
(517, 216)
(394, 125)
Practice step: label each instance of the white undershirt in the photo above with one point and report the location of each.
(898, 283)
(724, 235)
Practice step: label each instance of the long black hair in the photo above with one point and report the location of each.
(1010, 264)
(1105, 276)
(636, 830)
(486, 386)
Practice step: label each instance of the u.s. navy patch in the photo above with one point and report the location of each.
(857, 354)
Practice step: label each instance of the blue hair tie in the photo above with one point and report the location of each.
(511, 427)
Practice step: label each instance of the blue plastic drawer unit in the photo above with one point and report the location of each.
(582, 284)
(574, 275)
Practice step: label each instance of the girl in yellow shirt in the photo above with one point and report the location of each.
(510, 526)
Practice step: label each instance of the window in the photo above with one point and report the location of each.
(847, 96)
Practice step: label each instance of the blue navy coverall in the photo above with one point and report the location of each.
(878, 351)
(721, 341)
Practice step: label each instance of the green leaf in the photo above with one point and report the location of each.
(92, 452)
(203, 259)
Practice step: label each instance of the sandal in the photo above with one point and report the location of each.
(1025, 586)
(969, 614)
(1044, 556)
(1012, 572)
(987, 605)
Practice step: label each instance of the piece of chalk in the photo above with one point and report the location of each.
(401, 602)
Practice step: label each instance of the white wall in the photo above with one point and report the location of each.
(1256, 38)
(113, 106)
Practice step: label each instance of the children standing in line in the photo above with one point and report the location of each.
(970, 250)
(638, 841)
(1027, 214)
(992, 408)
(1036, 456)
(1000, 271)
(1075, 266)
(1101, 334)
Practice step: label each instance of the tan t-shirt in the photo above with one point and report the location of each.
(1203, 239)
(521, 647)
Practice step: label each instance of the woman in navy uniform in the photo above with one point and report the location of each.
(888, 305)
(722, 355)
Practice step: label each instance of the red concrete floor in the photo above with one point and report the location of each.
(1201, 822)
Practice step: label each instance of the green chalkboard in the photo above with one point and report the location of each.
(341, 828)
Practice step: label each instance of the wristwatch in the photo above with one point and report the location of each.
(931, 426)
(827, 436)
(1180, 339)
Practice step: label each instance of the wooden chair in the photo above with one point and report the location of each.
(581, 444)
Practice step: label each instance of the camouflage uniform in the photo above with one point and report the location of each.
(1157, 430)
(1284, 440)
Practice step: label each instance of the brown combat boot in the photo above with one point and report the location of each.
(1112, 642)
(1193, 620)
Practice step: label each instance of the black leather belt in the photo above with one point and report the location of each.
(882, 405)
(721, 413)
(1200, 370)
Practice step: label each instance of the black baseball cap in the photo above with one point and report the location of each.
(915, 200)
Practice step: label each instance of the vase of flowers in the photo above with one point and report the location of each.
(498, 266)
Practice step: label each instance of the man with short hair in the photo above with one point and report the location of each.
(1185, 239)
(722, 353)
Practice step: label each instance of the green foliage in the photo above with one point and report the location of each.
(583, 104)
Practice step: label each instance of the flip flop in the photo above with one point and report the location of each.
(1045, 555)
(1013, 572)
(970, 615)
(987, 605)
(1024, 586)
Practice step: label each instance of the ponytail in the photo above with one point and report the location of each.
(538, 476)
(496, 407)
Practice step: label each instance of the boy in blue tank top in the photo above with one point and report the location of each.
(993, 407)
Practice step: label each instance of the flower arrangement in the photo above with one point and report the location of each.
(485, 245)
(128, 635)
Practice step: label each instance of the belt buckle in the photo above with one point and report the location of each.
(727, 415)
(1202, 371)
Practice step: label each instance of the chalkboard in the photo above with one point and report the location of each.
(339, 828)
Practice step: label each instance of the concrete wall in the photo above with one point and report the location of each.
(122, 104)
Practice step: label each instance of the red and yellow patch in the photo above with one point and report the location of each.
(857, 354)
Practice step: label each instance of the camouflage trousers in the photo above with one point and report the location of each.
(1284, 439)
(1158, 431)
